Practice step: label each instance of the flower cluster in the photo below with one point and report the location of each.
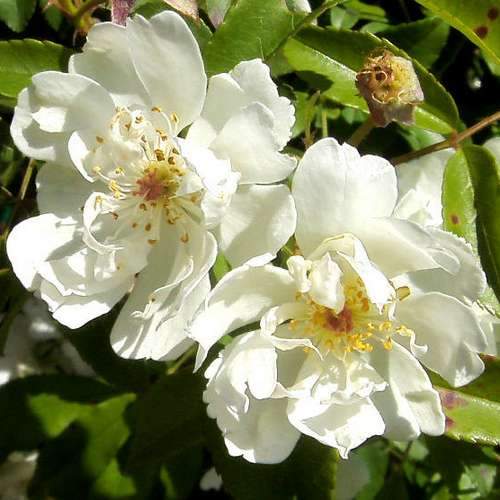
(151, 170)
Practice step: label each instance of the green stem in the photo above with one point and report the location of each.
(310, 115)
(452, 142)
(185, 357)
(324, 123)
(361, 132)
(83, 9)
(306, 21)
(22, 193)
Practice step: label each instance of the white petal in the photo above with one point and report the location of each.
(261, 435)
(241, 233)
(335, 190)
(74, 311)
(240, 298)
(400, 246)
(420, 185)
(171, 337)
(451, 332)
(298, 267)
(106, 59)
(467, 285)
(256, 429)
(254, 79)
(215, 176)
(229, 93)
(342, 426)
(378, 288)
(30, 139)
(61, 191)
(164, 297)
(169, 64)
(33, 241)
(326, 285)
(65, 103)
(410, 404)
(248, 141)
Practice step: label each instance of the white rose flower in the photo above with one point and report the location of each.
(340, 348)
(420, 184)
(129, 205)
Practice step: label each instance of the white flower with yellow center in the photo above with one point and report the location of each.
(340, 351)
(129, 205)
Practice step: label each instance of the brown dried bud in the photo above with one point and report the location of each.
(390, 87)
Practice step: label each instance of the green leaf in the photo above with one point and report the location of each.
(461, 204)
(477, 20)
(459, 213)
(40, 407)
(216, 10)
(423, 40)
(75, 465)
(168, 420)
(219, 269)
(485, 175)
(329, 60)
(366, 11)
(180, 475)
(21, 59)
(251, 29)
(471, 418)
(471, 468)
(17, 13)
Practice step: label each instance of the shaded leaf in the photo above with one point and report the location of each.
(17, 13)
(69, 466)
(40, 407)
(168, 420)
(423, 40)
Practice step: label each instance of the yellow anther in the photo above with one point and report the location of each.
(402, 292)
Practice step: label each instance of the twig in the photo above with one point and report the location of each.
(452, 142)
(361, 132)
(185, 357)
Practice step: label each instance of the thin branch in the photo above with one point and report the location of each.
(452, 142)
(185, 357)
(361, 133)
